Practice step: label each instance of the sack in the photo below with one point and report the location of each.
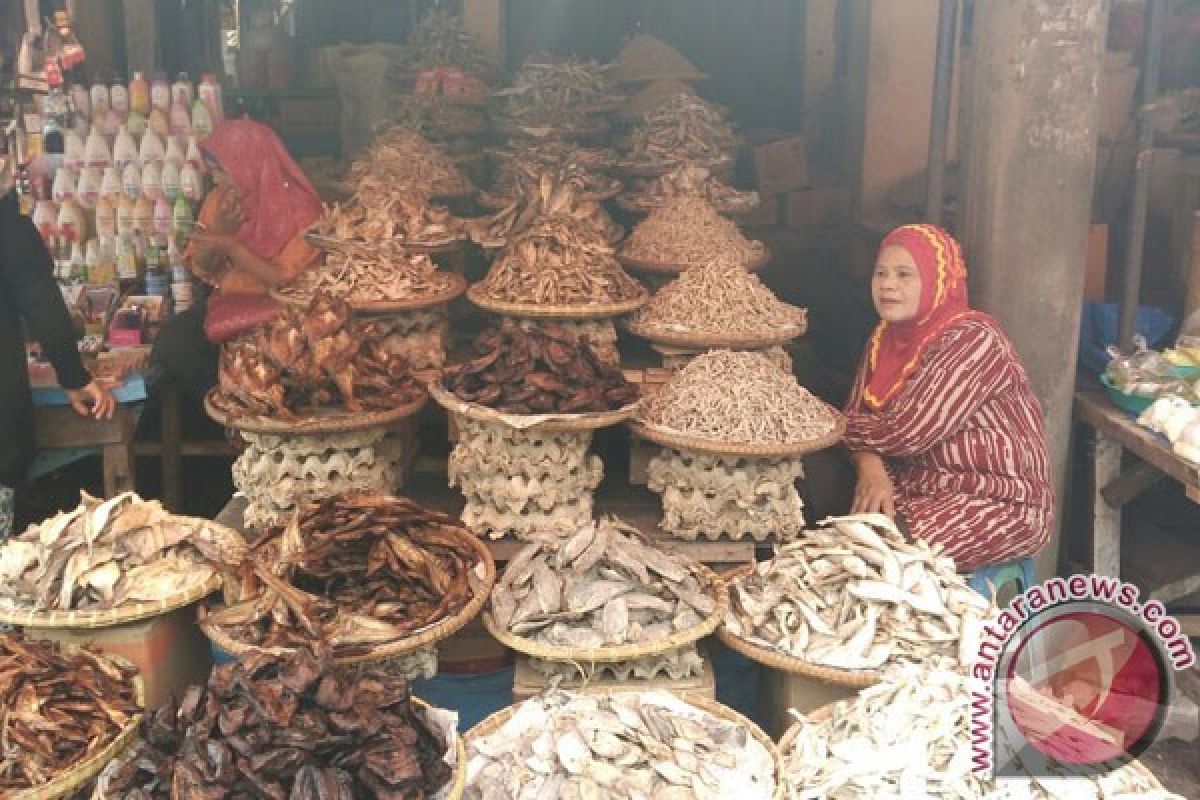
(231, 313)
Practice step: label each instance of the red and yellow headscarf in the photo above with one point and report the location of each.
(895, 348)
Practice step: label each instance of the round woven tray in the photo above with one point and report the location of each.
(456, 286)
(323, 422)
(594, 311)
(496, 721)
(499, 202)
(330, 243)
(554, 423)
(631, 207)
(852, 678)
(425, 637)
(667, 438)
(643, 170)
(699, 343)
(646, 265)
(628, 652)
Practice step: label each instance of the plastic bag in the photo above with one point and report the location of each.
(1145, 373)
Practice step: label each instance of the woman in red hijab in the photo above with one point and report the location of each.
(943, 427)
(249, 239)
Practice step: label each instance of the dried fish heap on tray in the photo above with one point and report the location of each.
(687, 231)
(653, 95)
(605, 586)
(557, 96)
(57, 710)
(528, 480)
(559, 262)
(688, 180)
(519, 171)
(365, 274)
(909, 736)
(548, 193)
(646, 57)
(626, 744)
(682, 128)
(288, 728)
(735, 426)
(419, 337)
(856, 595)
(441, 39)
(438, 118)
(381, 212)
(400, 157)
(106, 554)
(361, 572)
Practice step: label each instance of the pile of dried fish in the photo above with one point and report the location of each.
(561, 192)
(379, 213)
(286, 728)
(539, 370)
(359, 571)
(520, 169)
(436, 117)
(646, 744)
(384, 271)
(646, 57)
(682, 128)
(857, 595)
(307, 359)
(740, 398)
(604, 586)
(56, 710)
(401, 157)
(559, 262)
(104, 554)
(689, 180)
(909, 736)
(654, 95)
(685, 231)
(441, 39)
(718, 299)
(551, 92)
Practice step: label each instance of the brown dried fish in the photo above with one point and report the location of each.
(384, 271)
(687, 231)
(682, 128)
(401, 157)
(558, 192)
(688, 180)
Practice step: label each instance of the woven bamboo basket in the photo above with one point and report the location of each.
(331, 243)
(325, 421)
(417, 640)
(596, 655)
(700, 342)
(854, 679)
(646, 170)
(627, 203)
(456, 285)
(668, 438)
(581, 311)
(80, 774)
(550, 423)
(497, 720)
(635, 264)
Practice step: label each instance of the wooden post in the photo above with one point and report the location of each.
(1028, 190)
(141, 37)
(1193, 277)
(820, 58)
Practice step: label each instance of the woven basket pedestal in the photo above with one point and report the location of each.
(602, 334)
(278, 473)
(675, 358)
(709, 495)
(520, 482)
(418, 336)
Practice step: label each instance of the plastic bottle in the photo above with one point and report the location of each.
(181, 217)
(162, 217)
(74, 157)
(96, 152)
(91, 260)
(174, 153)
(192, 156)
(171, 186)
(71, 224)
(106, 269)
(110, 183)
(131, 180)
(160, 93)
(87, 192)
(180, 119)
(118, 97)
(182, 88)
(159, 123)
(81, 100)
(125, 223)
(113, 120)
(137, 126)
(202, 121)
(191, 184)
(125, 149)
(64, 186)
(45, 219)
(152, 150)
(78, 262)
(100, 100)
(106, 216)
(152, 181)
(139, 94)
(126, 259)
(210, 92)
(143, 215)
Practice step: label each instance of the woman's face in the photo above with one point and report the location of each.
(896, 285)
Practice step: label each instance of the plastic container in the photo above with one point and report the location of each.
(99, 99)
(192, 155)
(171, 181)
(131, 180)
(137, 125)
(143, 215)
(152, 150)
(1133, 404)
(96, 152)
(152, 181)
(174, 153)
(180, 120)
(71, 223)
(87, 192)
(160, 93)
(202, 121)
(64, 186)
(74, 151)
(118, 96)
(110, 183)
(106, 216)
(163, 219)
(139, 94)
(191, 184)
(113, 120)
(124, 216)
(160, 123)
(125, 149)
(182, 89)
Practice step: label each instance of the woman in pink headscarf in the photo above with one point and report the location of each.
(249, 239)
(942, 425)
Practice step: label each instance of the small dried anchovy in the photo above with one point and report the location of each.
(687, 230)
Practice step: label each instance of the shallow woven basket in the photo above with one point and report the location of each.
(628, 205)
(678, 441)
(581, 311)
(425, 637)
(80, 774)
(699, 342)
(497, 720)
(646, 170)
(326, 421)
(330, 243)
(457, 285)
(675, 267)
(595, 655)
(130, 612)
(855, 679)
(554, 423)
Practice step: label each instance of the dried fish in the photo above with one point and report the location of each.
(837, 596)
(402, 158)
(382, 212)
(687, 231)
(647, 744)
(441, 39)
(384, 271)
(537, 370)
(361, 571)
(56, 709)
(606, 582)
(682, 128)
(688, 180)
(550, 192)
(556, 93)
(105, 554)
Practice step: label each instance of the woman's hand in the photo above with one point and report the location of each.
(93, 401)
(229, 218)
(874, 491)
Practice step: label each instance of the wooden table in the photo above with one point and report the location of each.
(60, 426)
(1115, 434)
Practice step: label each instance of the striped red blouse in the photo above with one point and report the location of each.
(965, 444)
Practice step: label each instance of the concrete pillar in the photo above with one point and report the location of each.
(820, 58)
(1028, 193)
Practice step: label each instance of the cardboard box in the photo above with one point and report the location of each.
(781, 166)
(1095, 281)
(816, 207)
(169, 651)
